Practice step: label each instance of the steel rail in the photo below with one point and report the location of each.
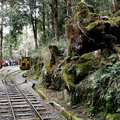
(37, 113)
(13, 113)
(12, 73)
(10, 103)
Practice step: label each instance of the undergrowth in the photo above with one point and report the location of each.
(105, 87)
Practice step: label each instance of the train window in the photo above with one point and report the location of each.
(23, 64)
(27, 60)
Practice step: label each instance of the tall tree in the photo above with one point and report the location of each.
(52, 18)
(56, 20)
(33, 19)
(1, 33)
(16, 22)
(48, 21)
(69, 11)
(43, 13)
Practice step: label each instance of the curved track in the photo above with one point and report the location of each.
(18, 104)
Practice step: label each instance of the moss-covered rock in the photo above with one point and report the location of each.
(76, 70)
(86, 63)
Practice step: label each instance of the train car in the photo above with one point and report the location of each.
(25, 63)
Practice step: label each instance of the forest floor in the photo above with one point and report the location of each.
(63, 99)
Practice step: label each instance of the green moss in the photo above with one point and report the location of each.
(100, 25)
(55, 52)
(54, 49)
(86, 57)
(36, 119)
(82, 12)
(113, 117)
(75, 118)
(69, 79)
(36, 76)
(117, 21)
(90, 7)
(86, 63)
(82, 6)
(41, 94)
(93, 17)
(83, 69)
(68, 48)
(66, 114)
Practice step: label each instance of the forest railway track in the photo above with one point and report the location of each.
(18, 104)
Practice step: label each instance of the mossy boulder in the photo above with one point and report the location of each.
(86, 63)
(76, 71)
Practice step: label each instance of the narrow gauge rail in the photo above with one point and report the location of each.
(19, 104)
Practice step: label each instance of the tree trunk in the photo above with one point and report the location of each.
(34, 25)
(56, 20)
(48, 24)
(66, 3)
(10, 52)
(1, 30)
(32, 6)
(52, 18)
(43, 12)
(1, 35)
(69, 11)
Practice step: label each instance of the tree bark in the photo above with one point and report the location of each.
(1, 30)
(69, 11)
(48, 24)
(43, 12)
(65, 3)
(1, 35)
(56, 20)
(32, 6)
(52, 18)
(34, 25)
(10, 52)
